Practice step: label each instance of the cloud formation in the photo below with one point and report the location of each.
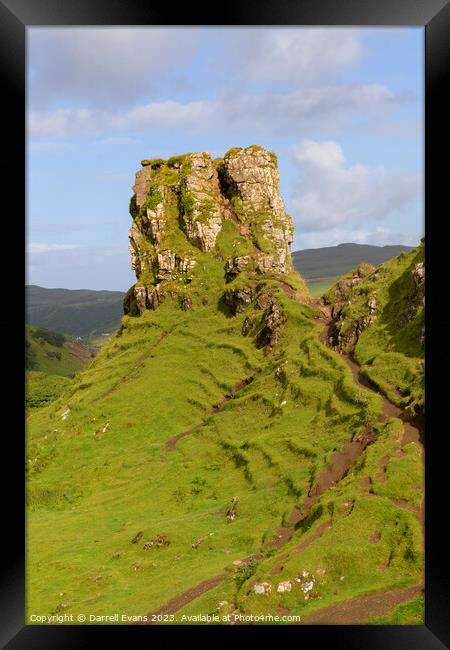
(329, 194)
(293, 54)
(319, 110)
(99, 66)
(50, 248)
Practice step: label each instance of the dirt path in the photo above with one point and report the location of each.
(171, 443)
(176, 603)
(359, 611)
(80, 351)
(135, 369)
(341, 461)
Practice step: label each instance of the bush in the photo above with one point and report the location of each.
(53, 338)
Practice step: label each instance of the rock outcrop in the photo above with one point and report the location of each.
(251, 179)
(180, 209)
(344, 333)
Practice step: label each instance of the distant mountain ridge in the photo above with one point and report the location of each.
(87, 313)
(316, 263)
(76, 312)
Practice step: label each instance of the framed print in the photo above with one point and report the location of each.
(226, 419)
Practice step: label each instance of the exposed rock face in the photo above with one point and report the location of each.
(273, 322)
(238, 299)
(419, 279)
(179, 208)
(202, 215)
(253, 180)
(342, 290)
(343, 334)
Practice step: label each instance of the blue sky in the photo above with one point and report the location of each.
(341, 107)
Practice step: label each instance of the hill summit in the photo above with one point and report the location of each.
(198, 219)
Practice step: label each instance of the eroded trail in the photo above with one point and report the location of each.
(171, 443)
(140, 363)
(186, 597)
(360, 610)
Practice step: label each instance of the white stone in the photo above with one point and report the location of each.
(263, 588)
(65, 415)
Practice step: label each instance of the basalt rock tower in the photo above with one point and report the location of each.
(202, 226)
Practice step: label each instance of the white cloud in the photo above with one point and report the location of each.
(104, 65)
(292, 54)
(329, 194)
(314, 110)
(50, 248)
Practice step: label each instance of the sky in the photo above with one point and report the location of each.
(341, 107)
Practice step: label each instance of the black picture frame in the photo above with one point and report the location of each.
(434, 16)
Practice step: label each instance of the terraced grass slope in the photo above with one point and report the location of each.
(216, 446)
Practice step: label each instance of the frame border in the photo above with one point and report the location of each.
(434, 15)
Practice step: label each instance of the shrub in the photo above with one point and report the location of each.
(53, 338)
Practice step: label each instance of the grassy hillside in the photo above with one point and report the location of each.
(45, 352)
(50, 362)
(215, 450)
(107, 469)
(389, 310)
(81, 312)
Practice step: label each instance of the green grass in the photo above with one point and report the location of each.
(99, 470)
(42, 388)
(112, 483)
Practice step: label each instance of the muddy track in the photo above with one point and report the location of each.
(171, 443)
(341, 462)
(186, 597)
(359, 611)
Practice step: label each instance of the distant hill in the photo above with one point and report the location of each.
(50, 362)
(50, 352)
(314, 263)
(76, 312)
